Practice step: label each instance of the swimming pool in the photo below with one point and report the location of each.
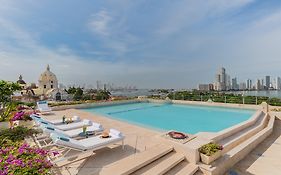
(185, 118)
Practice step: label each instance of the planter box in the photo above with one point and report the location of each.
(4, 125)
(209, 159)
(28, 123)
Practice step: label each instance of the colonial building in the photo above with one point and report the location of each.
(47, 88)
(47, 82)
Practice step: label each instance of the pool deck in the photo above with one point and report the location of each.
(137, 139)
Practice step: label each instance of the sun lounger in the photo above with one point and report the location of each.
(54, 122)
(85, 147)
(65, 127)
(44, 138)
(92, 143)
(43, 107)
(95, 127)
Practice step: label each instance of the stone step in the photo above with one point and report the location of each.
(165, 165)
(190, 169)
(133, 163)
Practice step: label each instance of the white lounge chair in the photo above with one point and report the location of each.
(43, 107)
(65, 127)
(44, 138)
(85, 147)
(91, 143)
(95, 127)
(54, 122)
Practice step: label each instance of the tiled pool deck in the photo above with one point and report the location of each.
(137, 139)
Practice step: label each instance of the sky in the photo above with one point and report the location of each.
(146, 43)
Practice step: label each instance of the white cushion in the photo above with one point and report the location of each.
(87, 122)
(76, 118)
(96, 125)
(115, 132)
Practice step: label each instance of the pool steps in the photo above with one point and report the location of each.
(158, 160)
(234, 140)
(241, 145)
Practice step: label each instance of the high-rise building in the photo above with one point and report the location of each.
(249, 84)
(228, 82)
(99, 85)
(242, 86)
(278, 83)
(262, 84)
(220, 84)
(258, 85)
(267, 82)
(234, 84)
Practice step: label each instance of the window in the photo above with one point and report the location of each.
(51, 86)
(45, 86)
(51, 81)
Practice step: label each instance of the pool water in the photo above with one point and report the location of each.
(185, 118)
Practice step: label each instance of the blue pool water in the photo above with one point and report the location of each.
(185, 118)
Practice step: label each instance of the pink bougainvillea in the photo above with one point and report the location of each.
(20, 158)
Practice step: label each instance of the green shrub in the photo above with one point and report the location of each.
(210, 149)
(17, 133)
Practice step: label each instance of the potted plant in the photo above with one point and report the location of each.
(210, 152)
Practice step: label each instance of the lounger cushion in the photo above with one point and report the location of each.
(97, 125)
(75, 125)
(87, 122)
(97, 141)
(77, 118)
(70, 133)
(115, 132)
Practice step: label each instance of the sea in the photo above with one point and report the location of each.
(132, 93)
(146, 92)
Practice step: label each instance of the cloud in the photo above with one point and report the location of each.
(182, 15)
(99, 23)
(148, 44)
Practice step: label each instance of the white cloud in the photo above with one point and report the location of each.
(183, 14)
(99, 23)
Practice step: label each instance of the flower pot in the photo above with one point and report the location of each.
(28, 123)
(209, 159)
(4, 125)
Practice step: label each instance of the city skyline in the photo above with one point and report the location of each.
(163, 47)
(224, 82)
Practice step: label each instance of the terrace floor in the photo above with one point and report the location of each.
(137, 139)
(264, 159)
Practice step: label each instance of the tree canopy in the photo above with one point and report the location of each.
(7, 89)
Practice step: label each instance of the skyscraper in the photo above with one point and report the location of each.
(234, 84)
(267, 82)
(278, 83)
(249, 84)
(220, 84)
(258, 85)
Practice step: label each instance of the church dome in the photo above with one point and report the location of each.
(47, 80)
(21, 81)
(48, 76)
